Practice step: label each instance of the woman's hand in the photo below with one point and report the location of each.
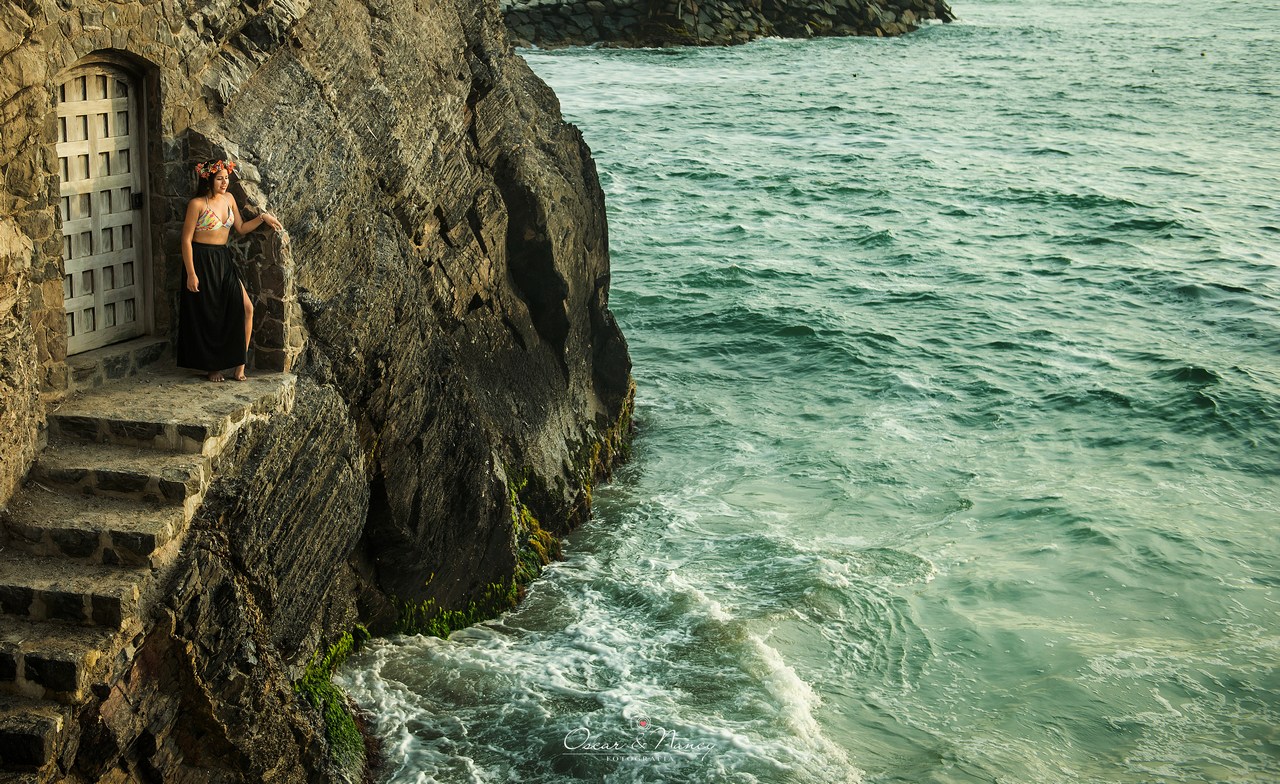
(193, 284)
(271, 221)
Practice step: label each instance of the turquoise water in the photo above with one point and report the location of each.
(959, 401)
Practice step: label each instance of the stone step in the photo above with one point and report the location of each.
(55, 589)
(92, 529)
(124, 472)
(170, 410)
(31, 733)
(57, 661)
(169, 436)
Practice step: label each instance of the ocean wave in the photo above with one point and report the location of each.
(1163, 171)
(1093, 240)
(1160, 696)
(1075, 201)
(1074, 399)
(1209, 291)
(1160, 226)
(673, 691)
(1190, 374)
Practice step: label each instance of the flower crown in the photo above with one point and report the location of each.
(209, 169)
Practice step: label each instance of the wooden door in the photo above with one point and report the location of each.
(100, 153)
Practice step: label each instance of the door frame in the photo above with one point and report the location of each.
(145, 273)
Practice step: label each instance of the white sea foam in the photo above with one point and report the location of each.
(799, 704)
(607, 667)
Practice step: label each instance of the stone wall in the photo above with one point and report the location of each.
(171, 55)
(21, 414)
(442, 293)
(553, 23)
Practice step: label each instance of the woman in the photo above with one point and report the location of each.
(215, 319)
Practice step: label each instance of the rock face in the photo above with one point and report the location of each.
(263, 577)
(553, 23)
(442, 297)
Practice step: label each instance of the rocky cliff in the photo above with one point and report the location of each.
(553, 23)
(442, 296)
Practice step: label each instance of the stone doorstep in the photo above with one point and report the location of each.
(55, 661)
(171, 410)
(124, 472)
(93, 529)
(29, 733)
(92, 369)
(55, 589)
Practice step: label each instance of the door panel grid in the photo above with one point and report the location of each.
(99, 155)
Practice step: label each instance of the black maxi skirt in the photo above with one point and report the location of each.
(211, 320)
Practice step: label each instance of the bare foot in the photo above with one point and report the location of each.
(216, 376)
(240, 375)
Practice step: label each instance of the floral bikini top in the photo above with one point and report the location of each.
(209, 221)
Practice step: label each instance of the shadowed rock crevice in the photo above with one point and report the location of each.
(531, 262)
(610, 361)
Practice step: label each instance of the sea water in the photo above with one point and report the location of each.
(958, 359)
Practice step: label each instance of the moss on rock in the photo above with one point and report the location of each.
(346, 744)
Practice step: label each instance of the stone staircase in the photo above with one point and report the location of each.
(86, 544)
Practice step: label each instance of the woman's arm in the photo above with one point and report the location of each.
(188, 230)
(246, 226)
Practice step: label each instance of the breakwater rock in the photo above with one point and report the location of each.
(174, 589)
(552, 23)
